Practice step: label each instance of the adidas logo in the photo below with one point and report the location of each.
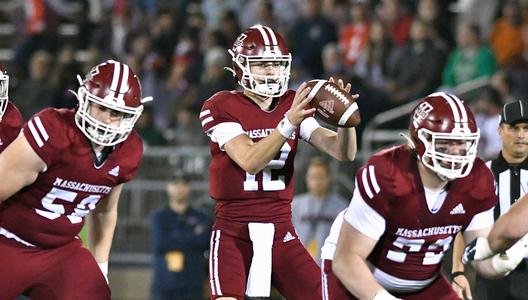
(328, 105)
(458, 210)
(114, 171)
(288, 237)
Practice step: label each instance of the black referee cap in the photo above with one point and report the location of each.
(514, 112)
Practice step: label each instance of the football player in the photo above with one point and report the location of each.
(10, 118)
(254, 136)
(409, 203)
(66, 164)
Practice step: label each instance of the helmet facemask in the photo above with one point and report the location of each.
(4, 87)
(264, 85)
(436, 157)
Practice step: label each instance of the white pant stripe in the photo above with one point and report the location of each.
(324, 281)
(214, 281)
(211, 247)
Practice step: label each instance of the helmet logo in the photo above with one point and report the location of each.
(239, 41)
(94, 71)
(421, 112)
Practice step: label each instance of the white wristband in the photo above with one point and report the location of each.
(384, 295)
(507, 262)
(286, 128)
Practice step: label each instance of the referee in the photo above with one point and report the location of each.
(510, 170)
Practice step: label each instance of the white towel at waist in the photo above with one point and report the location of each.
(259, 278)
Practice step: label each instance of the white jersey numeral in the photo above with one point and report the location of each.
(54, 210)
(435, 251)
(268, 184)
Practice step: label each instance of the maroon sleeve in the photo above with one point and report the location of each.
(374, 182)
(132, 157)
(15, 117)
(43, 132)
(11, 124)
(484, 187)
(213, 111)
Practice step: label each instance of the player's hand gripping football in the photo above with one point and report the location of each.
(299, 108)
(506, 262)
(342, 86)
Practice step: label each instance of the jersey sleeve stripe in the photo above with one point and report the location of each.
(372, 176)
(364, 181)
(207, 120)
(41, 129)
(205, 113)
(36, 136)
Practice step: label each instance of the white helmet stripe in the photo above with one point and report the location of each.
(124, 80)
(274, 41)
(463, 125)
(462, 108)
(460, 114)
(454, 109)
(264, 37)
(115, 78)
(123, 86)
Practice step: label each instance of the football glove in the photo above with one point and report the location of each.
(478, 249)
(506, 262)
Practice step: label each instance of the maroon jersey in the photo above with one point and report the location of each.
(416, 239)
(50, 212)
(240, 196)
(10, 125)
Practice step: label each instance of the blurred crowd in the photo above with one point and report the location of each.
(392, 51)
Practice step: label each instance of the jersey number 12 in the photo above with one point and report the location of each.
(269, 184)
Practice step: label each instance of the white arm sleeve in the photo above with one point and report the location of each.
(364, 218)
(308, 126)
(481, 220)
(224, 132)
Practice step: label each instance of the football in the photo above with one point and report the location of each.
(333, 105)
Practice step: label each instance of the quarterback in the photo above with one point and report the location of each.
(254, 136)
